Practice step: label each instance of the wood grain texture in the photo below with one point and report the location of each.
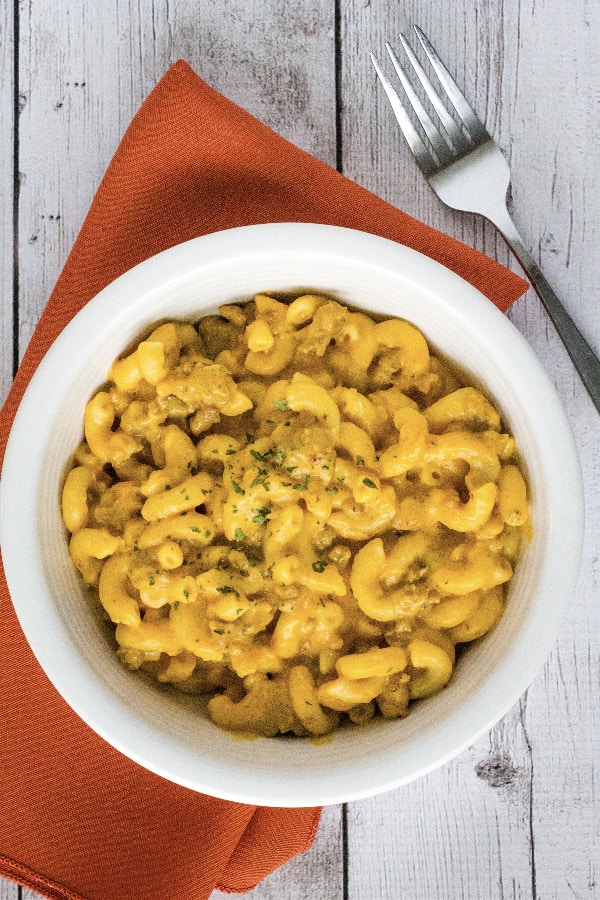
(462, 831)
(7, 188)
(516, 815)
(86, 68)
(9, 891)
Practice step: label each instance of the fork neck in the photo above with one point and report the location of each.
(503, 221)
(500, 217)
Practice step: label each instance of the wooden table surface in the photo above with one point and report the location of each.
(517, 815)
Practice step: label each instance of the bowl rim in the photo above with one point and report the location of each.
(105, 311)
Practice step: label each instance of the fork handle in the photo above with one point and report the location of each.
(584, 359)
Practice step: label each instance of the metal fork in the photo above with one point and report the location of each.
(468, 172)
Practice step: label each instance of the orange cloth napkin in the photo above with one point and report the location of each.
(78, 819)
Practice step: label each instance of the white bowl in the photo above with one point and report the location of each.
(164, 734)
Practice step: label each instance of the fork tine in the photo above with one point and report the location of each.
(426, 162)
(442, 151)
(457, 138)
(471, 121)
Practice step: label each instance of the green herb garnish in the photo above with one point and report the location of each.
(261, 515)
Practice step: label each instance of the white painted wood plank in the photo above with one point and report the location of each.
(8, 890)
(85, 69)
(6, 197)
(460, 832)
(274, 59)
(526, 67)
(555, 195)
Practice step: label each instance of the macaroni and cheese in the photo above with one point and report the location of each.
(296, 511)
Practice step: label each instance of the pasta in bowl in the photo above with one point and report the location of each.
(296, 510)
(215, 280)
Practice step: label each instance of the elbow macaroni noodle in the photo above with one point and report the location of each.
(295, 510)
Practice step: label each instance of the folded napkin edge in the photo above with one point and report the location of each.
(21, 874)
